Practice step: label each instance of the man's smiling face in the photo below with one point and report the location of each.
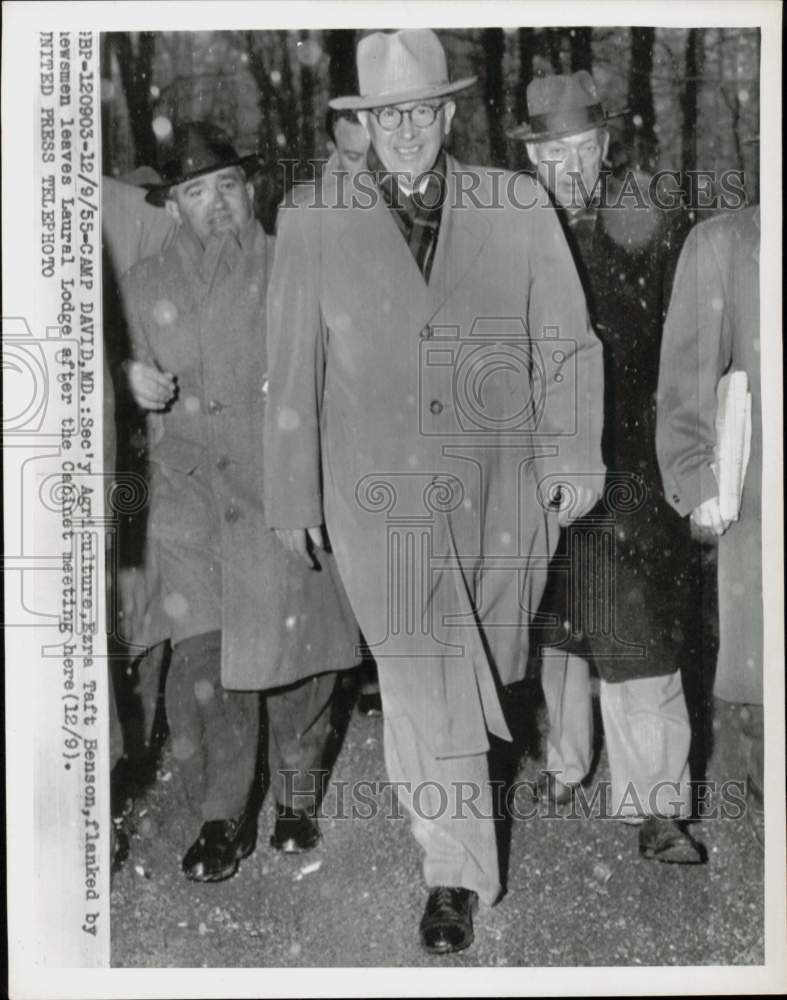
(409, 151)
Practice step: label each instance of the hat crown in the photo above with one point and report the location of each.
(559, 93)
(197, 148)
(401, 61)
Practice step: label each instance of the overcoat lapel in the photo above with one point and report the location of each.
(371, 235)
(463, 233)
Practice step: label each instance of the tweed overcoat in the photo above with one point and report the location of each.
(417, 421)
(713, 326)
(625, 582)
(210, 561)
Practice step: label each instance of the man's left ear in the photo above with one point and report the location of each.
(605, 144)
(250, 191)
(449, 110)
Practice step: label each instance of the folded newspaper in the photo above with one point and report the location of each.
(733, 441)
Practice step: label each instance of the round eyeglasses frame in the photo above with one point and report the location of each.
(421, 116)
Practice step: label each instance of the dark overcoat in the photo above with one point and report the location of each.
(713, 326)
(417, 421)
(624, 584)
(210, 560)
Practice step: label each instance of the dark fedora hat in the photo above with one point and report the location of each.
(197, 148)
(562, 105)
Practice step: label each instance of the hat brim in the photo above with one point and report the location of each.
(158, 193)
(524, 131)
(364, 102)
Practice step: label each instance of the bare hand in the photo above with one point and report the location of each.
(708, 517)
(301, 541)
(574, 502)
(151, 389)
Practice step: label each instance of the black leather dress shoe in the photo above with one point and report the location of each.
(294, 832)
(218, 851)
(668, 840)
(447, 923)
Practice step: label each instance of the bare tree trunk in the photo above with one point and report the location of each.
(493, 43)
(267, 95)
(135, 75)
(581, 49)
(555, 47)
(642, 137)
(690, 97)
(340, 44)
(527, 50)
(287, 100)
(307, 139)
(106, 139)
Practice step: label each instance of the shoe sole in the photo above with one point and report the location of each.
(291, 846)
(449, 949)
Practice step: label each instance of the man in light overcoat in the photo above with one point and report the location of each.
(434, 387)
(243, 616)
(713, 327)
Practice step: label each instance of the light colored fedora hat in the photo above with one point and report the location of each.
(561, 105)
(394, 67)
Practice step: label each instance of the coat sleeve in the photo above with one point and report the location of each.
(695, 352)
(296, 362)
(568, 352)
(133, 289)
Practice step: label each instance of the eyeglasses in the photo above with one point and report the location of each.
(421, 116)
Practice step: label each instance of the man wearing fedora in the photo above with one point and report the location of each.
(628, 600)
(243, 616)
(405, 418)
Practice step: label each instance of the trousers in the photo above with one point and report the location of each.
(646, 731)
(216, 734)
(565, 681)
(448, 800)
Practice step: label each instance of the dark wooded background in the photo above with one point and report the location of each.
(693, 93)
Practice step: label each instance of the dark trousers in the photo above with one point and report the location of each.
(216, 733)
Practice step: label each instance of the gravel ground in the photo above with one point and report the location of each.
(577, 893)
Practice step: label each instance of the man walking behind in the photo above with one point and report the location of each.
(624, 585)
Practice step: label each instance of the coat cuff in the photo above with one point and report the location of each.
(687, 494)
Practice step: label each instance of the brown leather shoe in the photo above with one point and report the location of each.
(668, 840)
(294, 832)
(218, 851)
(447, 923)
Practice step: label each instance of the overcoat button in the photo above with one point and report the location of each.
(231, 515)
(436, 406)
(214, 406)
(426, 332)
(222, 462)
